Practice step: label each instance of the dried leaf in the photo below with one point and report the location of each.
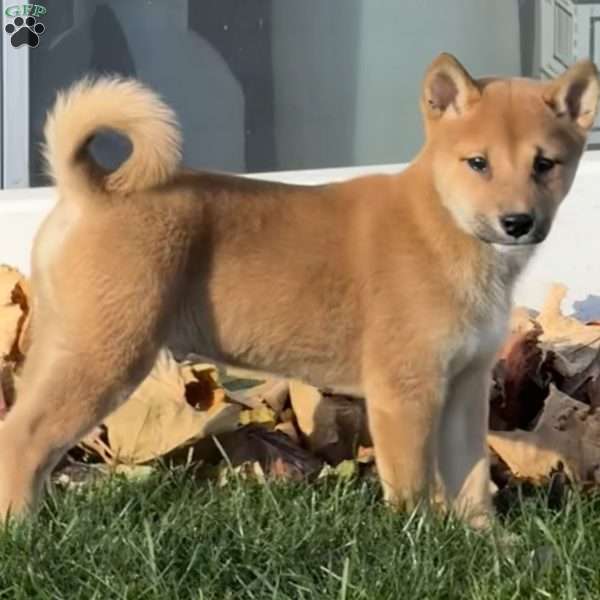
(262, 415)
(275, 452)
(12, 314)
(202, 389)
(134, 472)
(521, 381)
(288, 428)
(272, 393)
(584, 386)
(287, 416)
(332, 425)
(277, 455)
(94, 442)
(522, 320)
(21, 296)
(8, 383)
(575, 344)
(347, 469)
(567, 435)
(248, 470)
(157, 417)
(308, 405)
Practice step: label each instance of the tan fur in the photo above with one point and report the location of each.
(396, 287)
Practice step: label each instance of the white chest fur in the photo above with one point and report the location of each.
(486, 328)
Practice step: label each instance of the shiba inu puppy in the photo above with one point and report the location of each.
(397, 287)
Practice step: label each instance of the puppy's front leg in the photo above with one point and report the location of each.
(403, 410)
(463, 454)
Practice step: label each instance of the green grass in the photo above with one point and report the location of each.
(172, 537)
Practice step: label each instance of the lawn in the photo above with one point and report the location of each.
(173, 537)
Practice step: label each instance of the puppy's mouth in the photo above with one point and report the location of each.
(503, 240)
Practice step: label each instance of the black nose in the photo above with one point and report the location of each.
(517, 224)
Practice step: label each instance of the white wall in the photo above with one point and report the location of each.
(570, 255)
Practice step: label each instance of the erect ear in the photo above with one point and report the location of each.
(448, 88)
(574, 94)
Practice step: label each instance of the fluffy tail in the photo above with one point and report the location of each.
(125, 106)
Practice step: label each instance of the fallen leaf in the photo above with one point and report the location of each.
(262, 415)
(566, 437)
(521, 381)
(12, 314)
(346, 469)
(332, 425)
(94, 442)
(593, 392)
(134, 472)
(202, 389)
(574, 344)
(288, 428)
(287, 416)
(522, 320)
(250, 470)
(584, 386)
(21, 295)
(8, 382)
(273, 393)
(157, 417)
(274, 451)
(309, 407)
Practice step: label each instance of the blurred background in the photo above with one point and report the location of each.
(267, 85)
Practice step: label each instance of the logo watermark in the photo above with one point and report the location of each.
(26, 28)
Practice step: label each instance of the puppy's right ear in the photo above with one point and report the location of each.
(448, 90)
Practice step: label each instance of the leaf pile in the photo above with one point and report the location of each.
(544, 402)
(543, 410)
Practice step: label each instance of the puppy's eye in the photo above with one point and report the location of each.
(542, 165)
(478, 163)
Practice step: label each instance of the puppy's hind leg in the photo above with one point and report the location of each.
(71, 381)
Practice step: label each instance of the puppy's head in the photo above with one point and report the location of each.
(504, 151)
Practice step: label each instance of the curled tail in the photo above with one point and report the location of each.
(122, 105)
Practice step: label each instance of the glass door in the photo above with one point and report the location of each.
(258, 85)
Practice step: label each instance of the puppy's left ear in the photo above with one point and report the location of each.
(575, 94)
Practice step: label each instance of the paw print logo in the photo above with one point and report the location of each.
(25, 31)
